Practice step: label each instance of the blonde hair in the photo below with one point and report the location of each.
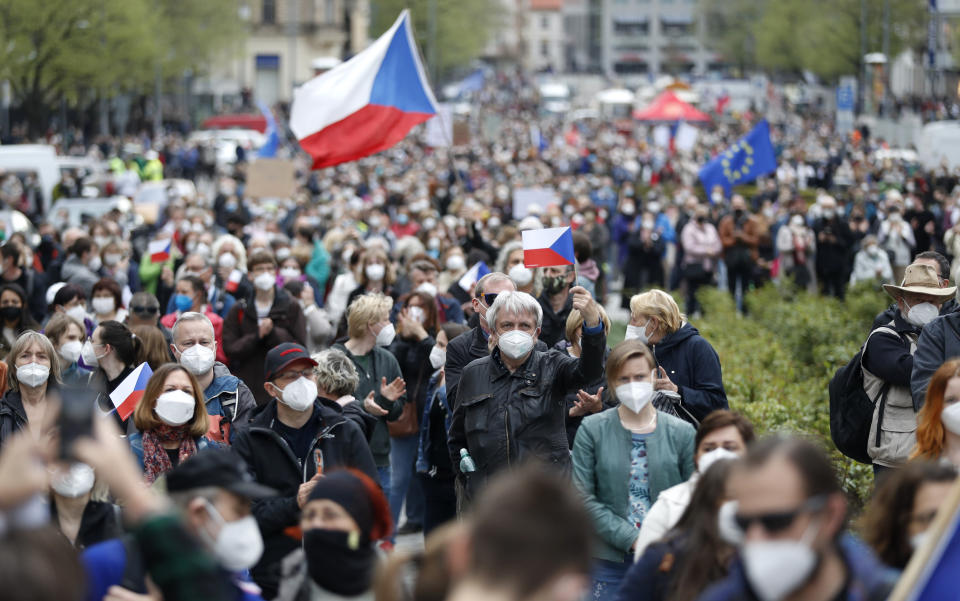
(366, 310)
(23, 341)
(623, 352)
(658, 304)
(575, 320)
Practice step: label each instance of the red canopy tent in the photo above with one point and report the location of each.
(667, 107)
(240, 120)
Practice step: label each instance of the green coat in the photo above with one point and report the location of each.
(601, 470)
(384, 365)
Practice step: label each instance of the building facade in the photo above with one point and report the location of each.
(624, 38)
(544, 36)
(284, 39)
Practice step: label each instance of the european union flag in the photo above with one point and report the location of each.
(745, 161)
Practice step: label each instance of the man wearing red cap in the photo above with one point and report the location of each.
(288, 446)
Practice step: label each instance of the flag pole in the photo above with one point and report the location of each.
(449, 137)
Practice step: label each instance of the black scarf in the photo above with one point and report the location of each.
(335, 564)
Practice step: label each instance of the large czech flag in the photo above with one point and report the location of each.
(366, 104)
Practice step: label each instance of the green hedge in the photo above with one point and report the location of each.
(778, 359)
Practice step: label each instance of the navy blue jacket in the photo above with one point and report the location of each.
(693, 365)
(939, 341)
(867, 579)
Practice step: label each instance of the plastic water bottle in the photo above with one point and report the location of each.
(466, 462)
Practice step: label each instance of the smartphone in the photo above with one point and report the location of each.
(77, 406)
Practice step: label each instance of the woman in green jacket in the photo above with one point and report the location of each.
(623, 458)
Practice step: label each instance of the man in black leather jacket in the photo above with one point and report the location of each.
(510, 404)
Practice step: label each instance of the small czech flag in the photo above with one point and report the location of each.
(126, 396)
(159, 250)
(473, 275)
(233, 282)
(548, 248)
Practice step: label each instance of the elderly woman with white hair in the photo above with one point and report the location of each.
(510, 404)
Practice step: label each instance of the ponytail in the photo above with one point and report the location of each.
(125, 343)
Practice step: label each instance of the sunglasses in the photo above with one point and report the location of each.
(488, 298)
(145, 310)
(779, 521)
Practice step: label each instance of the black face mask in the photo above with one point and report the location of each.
(10, 313)
(701, 220)
(334, 565)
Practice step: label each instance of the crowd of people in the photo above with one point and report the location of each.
(327, 373)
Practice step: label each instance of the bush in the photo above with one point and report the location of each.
(778, 360)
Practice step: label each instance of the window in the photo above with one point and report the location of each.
(329, 11)
(544, 48)
(269, 13)
(544, 22)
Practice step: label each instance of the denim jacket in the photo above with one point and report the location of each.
(435, 394)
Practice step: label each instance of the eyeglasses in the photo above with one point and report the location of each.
(290, 376)
(140, 310)
(779, 521)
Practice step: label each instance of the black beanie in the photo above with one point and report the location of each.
(346, 490)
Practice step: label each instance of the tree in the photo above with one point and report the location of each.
(463, 28)
(58, 49)
(82, 50)
(820, 36)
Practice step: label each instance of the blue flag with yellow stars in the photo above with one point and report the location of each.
(745, 161)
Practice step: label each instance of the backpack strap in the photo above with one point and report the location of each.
(885, 330)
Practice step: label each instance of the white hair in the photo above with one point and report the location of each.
(515, 303)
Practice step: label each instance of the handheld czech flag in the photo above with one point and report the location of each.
(548, 248)
(233, 281)
(473, 275)
(366, 104)
(126, 396)
(160, 250)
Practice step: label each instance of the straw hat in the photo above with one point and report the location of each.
(920, 279)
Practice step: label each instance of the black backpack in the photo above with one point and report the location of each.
(851, 410)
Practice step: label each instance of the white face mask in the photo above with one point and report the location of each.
(265, 281)
(103, 305)
(74, 482)
(198, 359)
(77, 312)
(727, 525)
(375, 272)
(776, 568)
(427, 288)
(635, 395)
(70, 351)
(455, 263)
(227, 260)
(711, 457)
(90, 358)
(112, 259)
(638, 333)
(95, 263)
(922, 313)
(950, 417)
(239, 545)
(299, 394)
(33, 374)
(386, 335)
(520, 275)
(417, 314)
(437, 357)
(175, 408)
(515, 344)
(917, 540)
(289, 273)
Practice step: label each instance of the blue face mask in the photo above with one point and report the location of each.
(182, 302)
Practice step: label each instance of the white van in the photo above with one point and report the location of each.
(38, 159)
